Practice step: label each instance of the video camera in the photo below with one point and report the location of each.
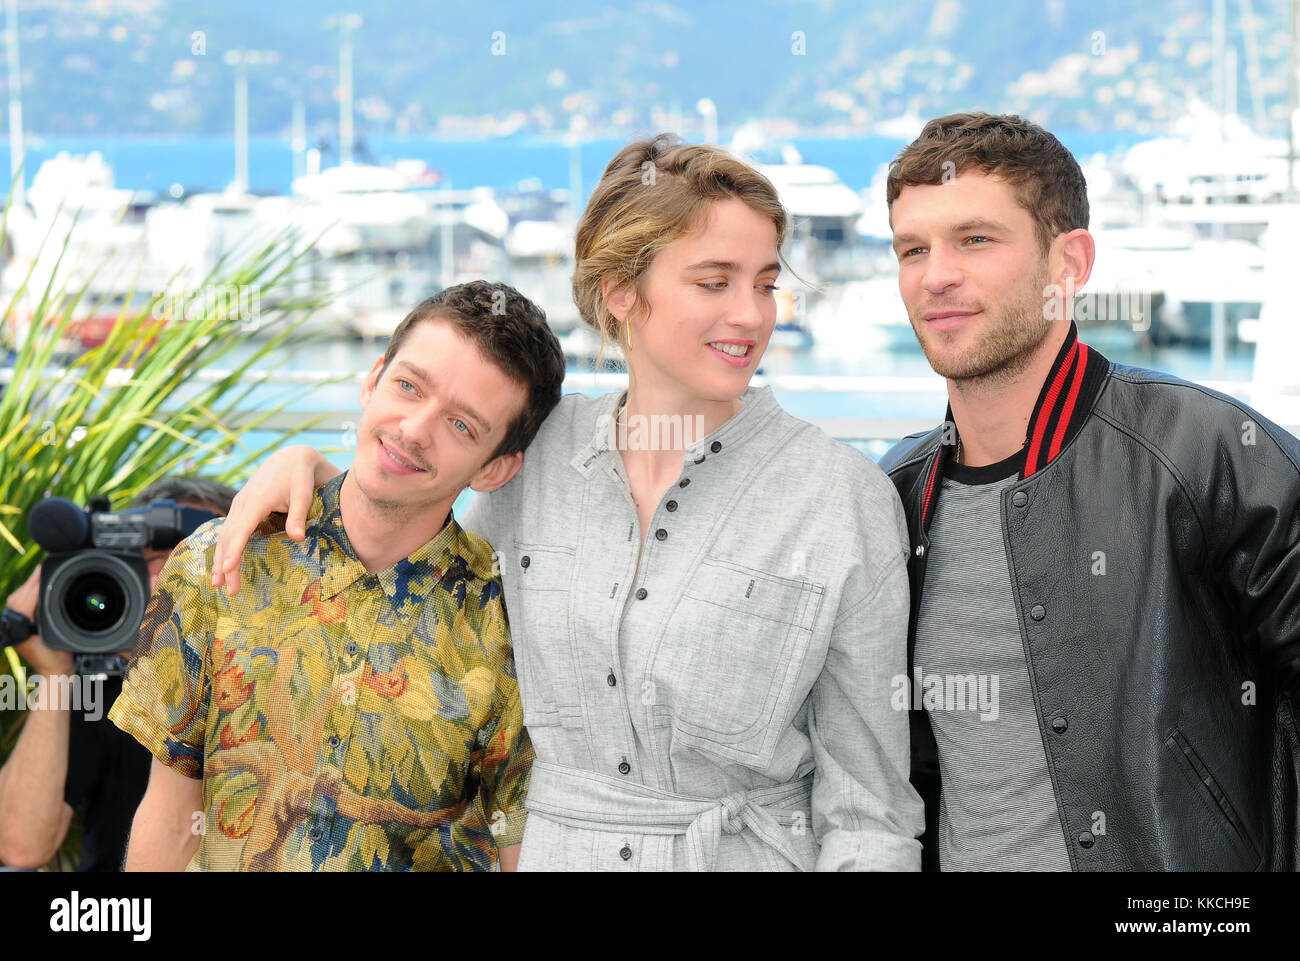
(95, 579)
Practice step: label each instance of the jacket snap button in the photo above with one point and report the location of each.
(670, 506)
(1019, 498)
(716, 446)
(625, 853)
(1060, 725)
(525, 561)
(685, 481)
(661, 534)
(640, 593)
(611, 680)
(1038, 612)
(1086, 840)
(624, 768)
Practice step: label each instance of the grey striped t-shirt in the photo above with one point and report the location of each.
(997, 809)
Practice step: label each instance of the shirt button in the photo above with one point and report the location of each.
(661, 535)
(624, 768)
(1060, 725)
(684, 482)
(1038, 612)
(525, 561)
(352, 648)
(670, 506)
(334, 740)
(314, 833)
(640, 593)
(625, 853)
(716, 446)
(1086, 840)
(370, 582)
(1019, 498)
(611, 680)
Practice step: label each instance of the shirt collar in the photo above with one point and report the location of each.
(1063, 406)
(759, 405)
(437, 563)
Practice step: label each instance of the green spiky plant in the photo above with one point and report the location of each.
(115, 419)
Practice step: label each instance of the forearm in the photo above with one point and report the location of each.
(33, 815)
(165, 833)
(509, 857)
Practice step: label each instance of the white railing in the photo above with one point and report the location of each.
(848, 428)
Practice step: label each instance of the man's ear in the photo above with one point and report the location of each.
(1078, 251)
(497, 472)
(370, 383)
(618, 300)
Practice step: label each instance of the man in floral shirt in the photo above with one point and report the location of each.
(355, 706)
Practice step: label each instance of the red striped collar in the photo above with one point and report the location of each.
(1063, 406)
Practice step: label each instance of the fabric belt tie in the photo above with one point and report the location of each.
(584, 799)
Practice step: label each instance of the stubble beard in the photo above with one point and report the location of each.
(1004, 349)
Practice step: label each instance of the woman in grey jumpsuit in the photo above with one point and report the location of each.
(707, 597)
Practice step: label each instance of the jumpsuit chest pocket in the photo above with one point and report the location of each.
(540, 631)
(732, 656)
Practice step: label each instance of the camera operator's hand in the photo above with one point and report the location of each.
(44, 660)
(285, 483)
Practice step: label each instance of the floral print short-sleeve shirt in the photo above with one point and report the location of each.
(339, 720)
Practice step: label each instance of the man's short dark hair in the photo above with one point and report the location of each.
(511, 331)
(188, 490)
(1043, 174)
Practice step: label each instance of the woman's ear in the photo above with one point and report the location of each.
(618, 300)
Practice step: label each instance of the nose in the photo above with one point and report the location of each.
(418, 426)
(941, 271)
(746, 310)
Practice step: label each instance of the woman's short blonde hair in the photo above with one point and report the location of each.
(654, 192)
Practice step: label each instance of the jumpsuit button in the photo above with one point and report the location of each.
(611, 680)
(685, 482)
(625, 853)
(716, 446)
(670, 506)
(525, 561)
(640, 593)
(661, 535)
(624, 768)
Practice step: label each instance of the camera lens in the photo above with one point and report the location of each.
(95, 602)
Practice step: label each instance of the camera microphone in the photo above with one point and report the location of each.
(58, 525)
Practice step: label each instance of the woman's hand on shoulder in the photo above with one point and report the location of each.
(285, 483)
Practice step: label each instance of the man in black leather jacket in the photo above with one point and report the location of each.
(1112, 553)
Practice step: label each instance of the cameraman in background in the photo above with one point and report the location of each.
(65, 760)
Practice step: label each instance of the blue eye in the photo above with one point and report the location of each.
(460, 426)
(405, 384)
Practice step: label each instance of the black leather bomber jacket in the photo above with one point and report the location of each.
(1164, 686)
